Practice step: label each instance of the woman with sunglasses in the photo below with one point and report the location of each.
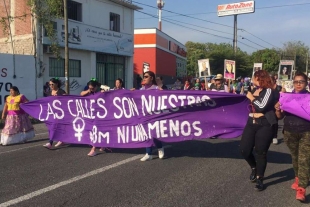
(55, 90)
(297, 137)
(149, 83)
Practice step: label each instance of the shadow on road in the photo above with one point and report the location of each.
(219, 149)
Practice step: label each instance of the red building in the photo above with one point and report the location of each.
(158, 52)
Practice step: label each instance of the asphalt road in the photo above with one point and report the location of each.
(204, 173)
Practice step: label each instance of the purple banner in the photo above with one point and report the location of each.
(297, 104)
(131, 119)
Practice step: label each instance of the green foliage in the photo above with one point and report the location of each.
(46, 11)
(270, 58)
(217, 53)
(296, 50)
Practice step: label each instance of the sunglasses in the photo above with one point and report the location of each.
(146, 76)
(51, 84)
(300, 82)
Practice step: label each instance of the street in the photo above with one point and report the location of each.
(208, 172)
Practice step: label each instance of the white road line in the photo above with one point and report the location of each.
(72, 180)
(67, 182)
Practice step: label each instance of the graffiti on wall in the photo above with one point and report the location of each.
(73, 85)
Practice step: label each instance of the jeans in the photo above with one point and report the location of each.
(258, 135)
(157, 143)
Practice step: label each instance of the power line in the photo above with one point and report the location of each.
(153, 16)
(269, 7)
(197, 30)
(243, 30)
(188, 27)
(253, 42)
(184, 15)
(197, 26)
(248, 45)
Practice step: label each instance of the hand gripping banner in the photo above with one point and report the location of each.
(297, 104)
(132, 119)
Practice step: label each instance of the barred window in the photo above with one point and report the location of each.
(57, 67)
(74, 10)
(115, 22)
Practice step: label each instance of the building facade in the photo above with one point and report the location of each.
(100, 34)
(158, 52)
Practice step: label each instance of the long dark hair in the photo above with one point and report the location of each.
(56, 81)
(152, 74)
(14, 88)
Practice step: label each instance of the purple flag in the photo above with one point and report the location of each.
(297, 104)
(131, 119)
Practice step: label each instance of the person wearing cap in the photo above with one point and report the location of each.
(219, 85)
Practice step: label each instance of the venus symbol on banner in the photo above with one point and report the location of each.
(78, 129)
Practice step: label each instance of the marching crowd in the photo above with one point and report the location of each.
(260, 131)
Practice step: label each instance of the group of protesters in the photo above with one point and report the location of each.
(264, 112)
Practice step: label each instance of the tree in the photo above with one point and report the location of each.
(269, 57)
(298, 51)
(217, 53)
(46, 11)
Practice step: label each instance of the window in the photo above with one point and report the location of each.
(74, 10)
(109, 68)
(57, 68)
(115, 22)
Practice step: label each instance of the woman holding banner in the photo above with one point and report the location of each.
(93, 86)
(55, 90)
(17, 127)
(297, 137)
(149, 83)
(258, 131)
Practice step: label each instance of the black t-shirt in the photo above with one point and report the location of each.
(293, 123)
(60, 92)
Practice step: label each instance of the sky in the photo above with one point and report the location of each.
(273, 23)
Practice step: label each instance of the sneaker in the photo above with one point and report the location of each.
(146, 157)
(161, 153)
(92, 154)
(48, 146)
(253, 175)
(58, 144)
(300, 194)
(295, 184)
(259, 184)
(274, 141)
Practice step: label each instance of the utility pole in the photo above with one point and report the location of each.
(66, 47)
(235, 34)
(160, 5)
(307, 62)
